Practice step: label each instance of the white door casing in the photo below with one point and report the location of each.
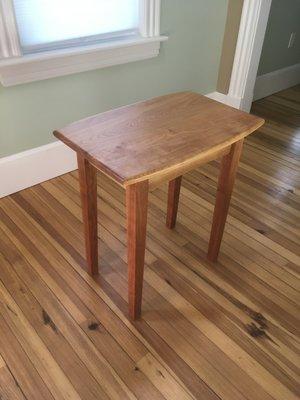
(251, 35)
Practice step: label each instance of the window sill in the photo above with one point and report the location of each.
(51, 64)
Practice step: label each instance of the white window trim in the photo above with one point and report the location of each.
(16, 68)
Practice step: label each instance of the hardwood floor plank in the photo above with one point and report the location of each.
(22, 369)
(53, 376)
(9, 388)
(166, 384)
(41, 321)
(281, 365)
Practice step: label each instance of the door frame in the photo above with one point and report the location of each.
(254, 19)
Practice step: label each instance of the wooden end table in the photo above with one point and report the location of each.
(142, 145)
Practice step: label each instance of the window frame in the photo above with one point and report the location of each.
(17, 68)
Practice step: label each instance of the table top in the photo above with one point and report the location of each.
(139, 141)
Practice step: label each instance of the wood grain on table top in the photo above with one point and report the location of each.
(138, 141)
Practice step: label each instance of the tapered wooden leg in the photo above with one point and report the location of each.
(173, 200)
(228, 169)
(88, 191)
(136, 209)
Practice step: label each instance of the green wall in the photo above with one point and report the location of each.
(188, 61)
(284, 19)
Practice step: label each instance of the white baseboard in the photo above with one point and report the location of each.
(226, 99)
(276, 81)
(22, 170)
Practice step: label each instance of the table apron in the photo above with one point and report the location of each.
(171, 173)
(179, 170)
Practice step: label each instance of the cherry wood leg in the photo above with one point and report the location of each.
(136, 210)
(173, 201)
(228, 169)
(88, 191)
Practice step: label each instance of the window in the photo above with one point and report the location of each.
(76, 22)
(40, 39)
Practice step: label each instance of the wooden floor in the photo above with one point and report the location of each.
(225, 331)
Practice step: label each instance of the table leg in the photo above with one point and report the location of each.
(173, 200)
(228, 169)
(88, 191)
(136, 210)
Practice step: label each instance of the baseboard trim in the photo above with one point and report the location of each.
(276, 81)
(23, 170)
(26, 169)
(226, 99)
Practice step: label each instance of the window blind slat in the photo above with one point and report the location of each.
(41, 22)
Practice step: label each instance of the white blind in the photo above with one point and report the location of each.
(44, 22)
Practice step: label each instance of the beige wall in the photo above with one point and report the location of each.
(234, 13)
